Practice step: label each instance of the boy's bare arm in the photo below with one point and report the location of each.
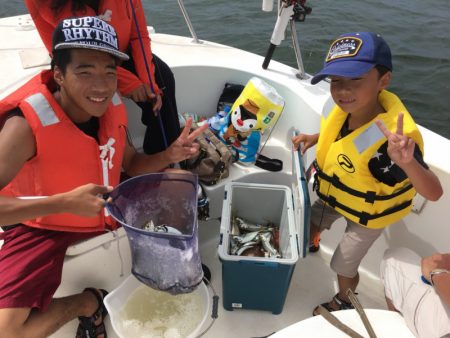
(17, 146)
(182, 148)
(424, 180)
(307, 140)
(441, 282)
(401, 151)
(84, 201)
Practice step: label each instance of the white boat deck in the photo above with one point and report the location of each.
(201, 71)
(313, 282)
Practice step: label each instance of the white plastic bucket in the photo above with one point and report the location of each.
(116, 303)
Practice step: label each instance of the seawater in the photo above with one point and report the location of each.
(417, 31)
(150, 313)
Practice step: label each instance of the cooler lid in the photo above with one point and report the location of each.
(302, 202)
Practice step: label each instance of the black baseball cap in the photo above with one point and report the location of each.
(87, 32)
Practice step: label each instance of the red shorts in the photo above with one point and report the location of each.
(31, 262)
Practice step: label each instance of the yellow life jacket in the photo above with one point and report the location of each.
(344, 180)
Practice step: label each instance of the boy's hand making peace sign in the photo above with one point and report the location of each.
(400, 147)
(184, 146)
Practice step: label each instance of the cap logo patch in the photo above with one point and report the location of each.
(88, 30)
(347, 46)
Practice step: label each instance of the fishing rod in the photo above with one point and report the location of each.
(289, 11)
(147, 68)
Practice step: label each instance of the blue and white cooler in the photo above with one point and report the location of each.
(262, 283)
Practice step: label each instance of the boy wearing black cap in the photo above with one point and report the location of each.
(63, 138)
(369, 157)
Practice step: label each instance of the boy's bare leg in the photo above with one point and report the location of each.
(27, 323)
(346, 283)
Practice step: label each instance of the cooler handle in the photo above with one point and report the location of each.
(268, 264)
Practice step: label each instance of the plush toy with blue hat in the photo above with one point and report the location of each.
(254, 111)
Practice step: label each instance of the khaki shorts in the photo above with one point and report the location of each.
(424, 312)
(354, 244)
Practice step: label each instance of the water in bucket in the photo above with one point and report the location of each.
(168, 260)
(137, 311)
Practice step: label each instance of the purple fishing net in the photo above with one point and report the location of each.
(159, 214)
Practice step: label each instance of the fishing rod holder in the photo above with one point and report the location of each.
(289, 12)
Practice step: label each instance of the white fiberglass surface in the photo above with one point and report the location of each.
(312, 283)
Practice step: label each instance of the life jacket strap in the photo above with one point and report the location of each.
(364, 217)
(368, 196)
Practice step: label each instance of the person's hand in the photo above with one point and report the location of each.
(86, 200)
(157, 103)
(307, 140)
(435, 261)
(143, 93)
(400, 147)
(184, 146)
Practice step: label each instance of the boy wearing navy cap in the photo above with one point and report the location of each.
(369, 156)
(63, 138)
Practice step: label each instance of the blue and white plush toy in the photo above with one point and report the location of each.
(255, 110)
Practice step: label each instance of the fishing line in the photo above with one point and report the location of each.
(147, 68)
(324, 204)
(117, 240)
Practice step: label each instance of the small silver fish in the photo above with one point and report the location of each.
(248, 237)
(244, 247)
(265, 241)
(235, 227)
(150, 226)
(246, 226)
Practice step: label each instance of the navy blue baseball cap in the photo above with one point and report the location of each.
(354, 54)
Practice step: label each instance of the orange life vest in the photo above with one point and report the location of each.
(65, 156)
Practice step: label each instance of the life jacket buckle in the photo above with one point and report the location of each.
(370, 197)
(364, 218)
